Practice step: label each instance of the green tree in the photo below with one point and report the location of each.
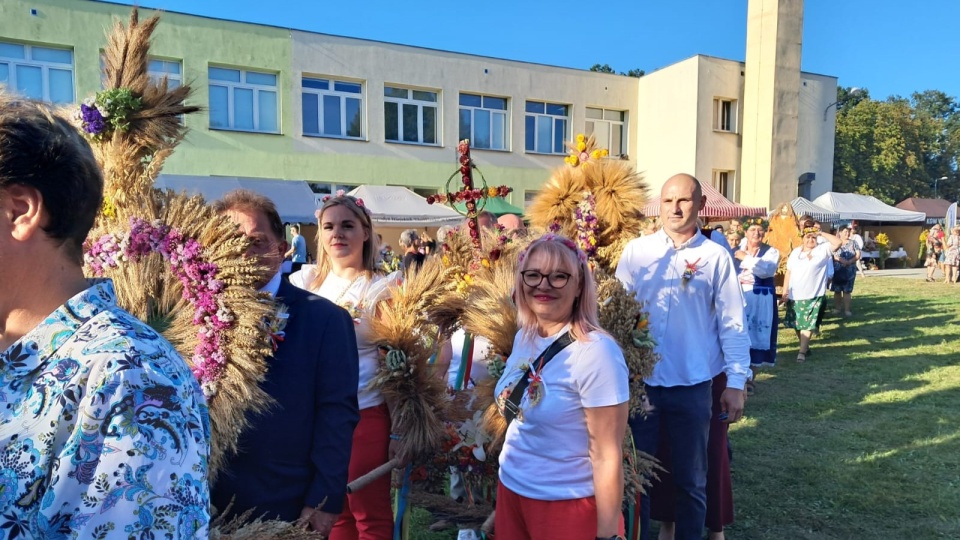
(605, 68)
(896, 148)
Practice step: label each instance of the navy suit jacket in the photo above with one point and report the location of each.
(297, 453)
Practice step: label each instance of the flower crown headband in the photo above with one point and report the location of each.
(750, 221)
(342, 195)
(809, 230)
(551, 237)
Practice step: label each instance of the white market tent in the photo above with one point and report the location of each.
(294, 199)
(717, 206)
(866, 208)
(395, 206)
(803, 207)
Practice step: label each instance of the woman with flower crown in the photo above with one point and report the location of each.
(805, 283)
(347, 274)
(564, 392)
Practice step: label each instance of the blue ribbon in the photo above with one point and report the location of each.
(402, 495)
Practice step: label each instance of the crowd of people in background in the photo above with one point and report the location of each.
(943, 253)
(75, 363)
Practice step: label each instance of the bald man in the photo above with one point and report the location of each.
(511, 222)
(690, 287)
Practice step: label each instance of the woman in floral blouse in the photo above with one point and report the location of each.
(845, 260)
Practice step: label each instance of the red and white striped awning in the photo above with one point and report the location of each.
(717, 206)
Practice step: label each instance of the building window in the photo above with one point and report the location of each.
(40, 73)
(332, 108)
(243, 100)
(609, 128)
(725, 115)
(528, 197)
(410, 115)
(726, 183)
(158, 69)
(483, 120)
(546, 127)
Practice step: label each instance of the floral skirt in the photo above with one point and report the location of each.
(952, 257)
(804, 314)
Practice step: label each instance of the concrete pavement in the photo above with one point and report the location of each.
(903, 273)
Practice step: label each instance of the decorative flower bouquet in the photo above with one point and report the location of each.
(107, 112)
(883, 246)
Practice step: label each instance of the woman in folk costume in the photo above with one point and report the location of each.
(561, 467)
(805, 285)
(347, 275)
(758, 263)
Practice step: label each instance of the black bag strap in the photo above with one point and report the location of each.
(512, 406)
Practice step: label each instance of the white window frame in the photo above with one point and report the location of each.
(420, 104)
(725, 113)
(44, 66)
(174, 80)
(547, 117)
(607, 124)
(528, 198)
(504, 113)
(342, 96)
(725, 181)
(243, 85)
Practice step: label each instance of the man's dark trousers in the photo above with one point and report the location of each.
(684, 412)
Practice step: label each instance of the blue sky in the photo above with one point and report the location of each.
(887, 46)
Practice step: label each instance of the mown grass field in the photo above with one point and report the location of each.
(863, 440)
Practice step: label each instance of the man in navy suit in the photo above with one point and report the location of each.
(293, 459)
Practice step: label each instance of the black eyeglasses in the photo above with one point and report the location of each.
(533, 278)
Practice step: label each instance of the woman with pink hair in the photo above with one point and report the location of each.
(564, 393)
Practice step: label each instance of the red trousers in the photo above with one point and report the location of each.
(521, 518)
(368, 514)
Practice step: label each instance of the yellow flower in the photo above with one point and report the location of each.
(581, 146)
(491, 192)
(485, 262)
(446, 260)
(596, 154)
(580, 138)
(108, 210)
(604, 152)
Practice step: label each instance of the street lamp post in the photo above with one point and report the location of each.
(935, 182)
(853, 92)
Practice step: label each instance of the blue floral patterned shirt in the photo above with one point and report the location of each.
(104, 432)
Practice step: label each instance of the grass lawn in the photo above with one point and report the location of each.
(863, 440)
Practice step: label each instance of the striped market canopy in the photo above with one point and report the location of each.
(717, 206)
(803, 207)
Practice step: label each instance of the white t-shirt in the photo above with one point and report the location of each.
(858, 240)
(359, 297)
(478, 369)
(546, 453)
(808, 276)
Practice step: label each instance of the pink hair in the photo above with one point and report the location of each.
(561, 254)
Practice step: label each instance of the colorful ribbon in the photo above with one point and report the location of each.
(466, 362)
